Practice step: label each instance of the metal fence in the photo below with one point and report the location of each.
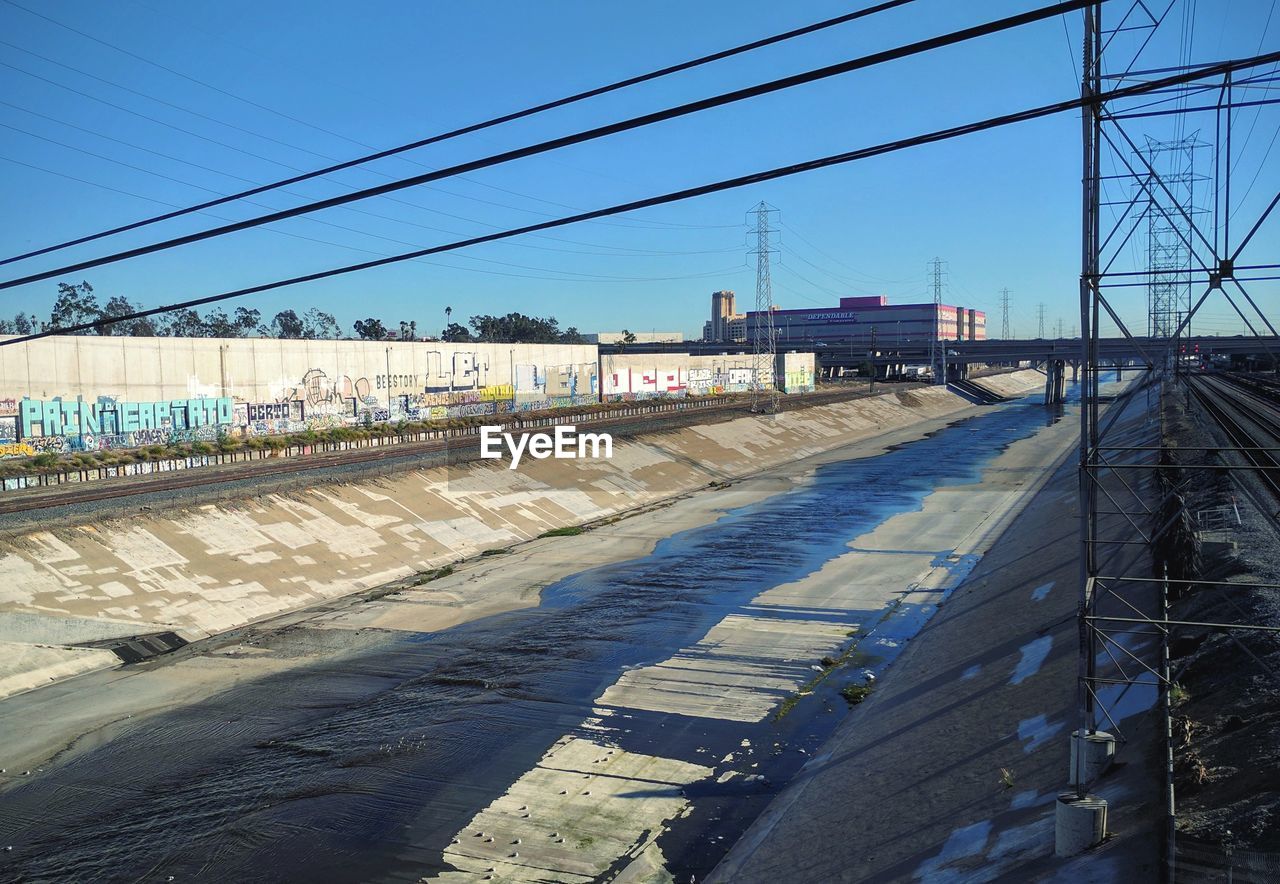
(1202, 861)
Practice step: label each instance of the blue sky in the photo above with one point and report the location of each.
(263, 89)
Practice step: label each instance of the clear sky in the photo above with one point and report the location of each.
(257, 90)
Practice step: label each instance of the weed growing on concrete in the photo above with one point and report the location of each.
(567, 531)
(1006, 778)
(1178, 694)
(494, 552)
(855, 693)
(829, 665)
(428, 576)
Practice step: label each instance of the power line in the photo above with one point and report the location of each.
(182, 210)
(645, 253)
(444, 136)
(703, 104)
(1005, 328)
(562, 275)
(689, 193)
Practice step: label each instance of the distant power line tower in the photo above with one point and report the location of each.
(1170, 215)
(1059, 327)
(937, 351)
(1040, 321)
(764, 387)
(1005, 330)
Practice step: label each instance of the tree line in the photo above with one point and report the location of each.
(78, 305)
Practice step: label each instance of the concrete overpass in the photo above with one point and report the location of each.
(856, 353)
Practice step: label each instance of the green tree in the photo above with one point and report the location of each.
(75, 305)
(455, 333)
(184, 323)
(320, 325)
(516, 328)
(119, 305)
(286, 324)
(217, 324)
(370, 329)
(246, 320)
(572, 336)
(24, 324)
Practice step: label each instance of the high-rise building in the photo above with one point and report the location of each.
(725, 324)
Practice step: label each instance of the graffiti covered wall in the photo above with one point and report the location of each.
(628, 376)
(797, 371)
(631, 376)
(83, 393)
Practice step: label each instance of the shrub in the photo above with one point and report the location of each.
(46, 461)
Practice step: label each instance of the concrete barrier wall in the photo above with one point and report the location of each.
(85, 393)
(88, 392)
(214, 567)
(626, 376)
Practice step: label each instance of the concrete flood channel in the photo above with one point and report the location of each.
(430, 755)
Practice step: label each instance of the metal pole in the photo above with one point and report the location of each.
(1089, 117)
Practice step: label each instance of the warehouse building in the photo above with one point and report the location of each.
(855, 319)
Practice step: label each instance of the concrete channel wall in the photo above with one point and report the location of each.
(89, 393)
(210, 568)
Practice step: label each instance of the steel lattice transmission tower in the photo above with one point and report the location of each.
(1040, 321)
(937, 350)
(764, 389)
(1005, 329)
(1170, 214)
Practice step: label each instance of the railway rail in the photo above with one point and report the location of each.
(1250, 419)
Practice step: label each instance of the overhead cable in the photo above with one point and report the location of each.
(688, 193)
(648, 119)
(466, 130)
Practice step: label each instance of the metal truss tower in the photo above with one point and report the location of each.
(937, 347)
(764, 387)
(1005, 329)
(1169, 232)
(1040, 320)
(1127, 502)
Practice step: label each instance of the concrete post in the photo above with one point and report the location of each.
(1091, 756)
(1080, 823)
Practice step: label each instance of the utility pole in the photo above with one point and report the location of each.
(937, 353)
(1040, 321)
(764, 400)
(1005, 331)
(873, 359)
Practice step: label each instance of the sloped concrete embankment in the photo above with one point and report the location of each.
(208, 569)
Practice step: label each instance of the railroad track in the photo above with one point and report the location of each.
(1249, 419)
(466, 446)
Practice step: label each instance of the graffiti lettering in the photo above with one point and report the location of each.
(56, 417)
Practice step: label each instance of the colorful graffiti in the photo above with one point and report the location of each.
(627, 384)
(57, 425)
(56, 417)
(432, 385)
